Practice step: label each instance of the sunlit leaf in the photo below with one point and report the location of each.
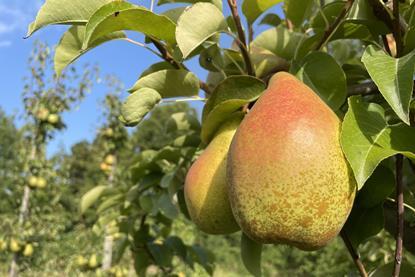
(394, 78)
(138, 104)
(367, 139)
(65, 12)
(252, 9)
(197, 24)
(70, 46)
(170, 83)
(89, 198)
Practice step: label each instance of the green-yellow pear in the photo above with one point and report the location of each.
(28, 250)
(41, 182)
(93, 262)
(53, 119)
(205, 187)
(289, 181)
(14, 245)
(32, 181)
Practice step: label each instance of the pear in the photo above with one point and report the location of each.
(28, 250)
(32, 181)
(205, 186)
(289, 181)
(14, 245)
(53, 119)
(93, 262)
(41, 182)
(110, 159)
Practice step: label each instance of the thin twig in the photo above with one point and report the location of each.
(168, 58)
(250, 34)
(242, 40)
(400, 219)
(353, 254)
(397, 31)
(142, 45)
(333, 27)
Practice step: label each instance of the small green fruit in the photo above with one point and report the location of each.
(41, 183)
(81, 261)
(32, 181)
(108, 132)
(14, 246)
(28, 250)
(110, 159)
(42, 114)
(53, 119)
(93, 263)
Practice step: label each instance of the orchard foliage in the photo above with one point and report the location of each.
(357, 55)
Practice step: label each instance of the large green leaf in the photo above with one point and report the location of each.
(89, 198)
(367, 139)
(65, 12)
(197, 24)
(228, 97)
(362, 13)
(393, 77)
(217, 3)
(138, 104)
(117, 16)
(298, 10)
(252, 9)
(170, 83)
(364, 223)
(70, 46)
(251, 252)
(323, 74)
(279, 41)
(271, 20)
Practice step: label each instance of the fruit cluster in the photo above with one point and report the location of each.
(278, 174)
(16, 246)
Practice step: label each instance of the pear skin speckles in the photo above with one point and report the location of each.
(289, 181)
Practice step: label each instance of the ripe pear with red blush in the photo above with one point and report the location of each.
(206, 190)
(289, 181)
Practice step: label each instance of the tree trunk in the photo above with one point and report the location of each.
(108, 241)
(24, 210)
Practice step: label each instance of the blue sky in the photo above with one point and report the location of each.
(119, 58)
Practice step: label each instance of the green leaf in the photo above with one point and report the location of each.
(265, 62)
(252, 9)
(271, 20)
(110, 202)
(141, 261)
(394, 78)
(217, 3)
(362, 13)
(364, 223)
(228, 97)
(138, 104)
(386, 270)
(65, 12)
(251, 252)
(182, 121)
(70, 46)
(177, 246)
(174, 14)
(170, 83)
(119, 249)
(89, 198)
(117, 16)
(161, 254)
(323, 74)
(156, 67)
(298, 10)
(197, 24)
(166, 206)
(377, 188)
(367, 139)
(279, 41)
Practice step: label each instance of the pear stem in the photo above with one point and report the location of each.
(333, 27)
(353, 253)
(242, 39)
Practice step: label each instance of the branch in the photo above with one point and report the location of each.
(242, 40)
(333, 27)
(397, 31)
(168, 58)
(353, 254)
(400, 213)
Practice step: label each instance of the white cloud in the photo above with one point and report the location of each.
(5, 43)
